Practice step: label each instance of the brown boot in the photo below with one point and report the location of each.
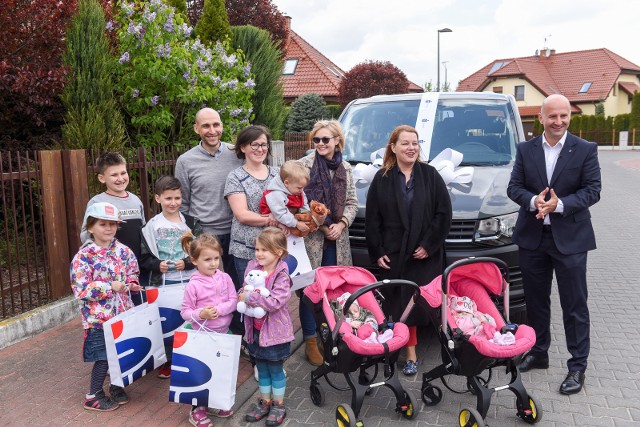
(313, 354)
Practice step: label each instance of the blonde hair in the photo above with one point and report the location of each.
(193, 246)
(334, 127)
(273, 240)
(294, 171)
(390, 159)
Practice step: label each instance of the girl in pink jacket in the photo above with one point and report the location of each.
(209, 301)
(269, 337)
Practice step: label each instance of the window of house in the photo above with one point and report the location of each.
(290, 66)
(497, 89)
(519, 93)
(585, 87)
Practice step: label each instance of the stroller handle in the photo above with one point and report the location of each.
(472, 260)
(377, 285)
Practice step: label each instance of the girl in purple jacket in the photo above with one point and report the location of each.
(269, 336)
(209, 301)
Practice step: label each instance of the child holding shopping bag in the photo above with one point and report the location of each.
(102, 274)
(269, 337)
(209, 301)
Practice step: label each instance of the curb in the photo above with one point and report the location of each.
(33, 322)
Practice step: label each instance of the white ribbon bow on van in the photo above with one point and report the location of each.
(445, 163)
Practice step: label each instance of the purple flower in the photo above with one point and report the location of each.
(186, 30)
(135, 93)
(154, 100)
(246, 70)
(229, 61)
(124, 58)
(236, 112)
(109, 26)
(149, 16)
(250, 84)
(168, 26)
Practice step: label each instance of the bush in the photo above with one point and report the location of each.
(306, 110)
(264, 56)
(93, 119)
(634, 119)
(163, 78)
(333, 111)
(213, 25)
(372, 78)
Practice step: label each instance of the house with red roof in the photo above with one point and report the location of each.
(307, 70)
(587, 78)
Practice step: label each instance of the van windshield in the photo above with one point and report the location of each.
(483, 130)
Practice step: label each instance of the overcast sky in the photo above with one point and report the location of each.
(404, 32)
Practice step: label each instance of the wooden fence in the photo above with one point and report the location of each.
(44, 195)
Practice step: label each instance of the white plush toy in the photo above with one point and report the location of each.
(255, 280)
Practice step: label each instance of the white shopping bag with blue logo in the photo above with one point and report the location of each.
(134, 344)
(204, 368)
(169, 299)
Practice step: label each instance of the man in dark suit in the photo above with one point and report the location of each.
(555, 178)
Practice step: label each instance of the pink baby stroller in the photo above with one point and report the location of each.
(469, 355)
(344, 352)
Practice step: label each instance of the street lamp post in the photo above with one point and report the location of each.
(444, 30)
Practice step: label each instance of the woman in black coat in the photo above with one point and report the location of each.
(408, 218)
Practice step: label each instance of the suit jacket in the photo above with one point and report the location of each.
(575, 180)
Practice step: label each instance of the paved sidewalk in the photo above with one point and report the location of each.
(43, 379)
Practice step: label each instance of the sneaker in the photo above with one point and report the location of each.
(276, 415)
(258, 411)
(118, 395)
(164, 371)
(410, 368)
(244, 350)
(199, 418)
(220, 413)
(100, 402)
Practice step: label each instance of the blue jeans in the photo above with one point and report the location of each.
(308, 322)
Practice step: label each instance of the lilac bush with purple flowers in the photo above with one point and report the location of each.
(163, 77)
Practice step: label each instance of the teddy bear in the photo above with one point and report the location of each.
(314, 218)
(254, 282)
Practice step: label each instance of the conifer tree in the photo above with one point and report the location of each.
(93, 118)
(266, 65)
(213, 25)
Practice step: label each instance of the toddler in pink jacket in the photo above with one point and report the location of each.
(209, 301)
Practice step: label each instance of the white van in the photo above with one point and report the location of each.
(485, 128)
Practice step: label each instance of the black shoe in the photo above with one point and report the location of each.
(573, 383)
(533, 362)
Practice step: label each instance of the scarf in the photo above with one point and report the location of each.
(324, 189)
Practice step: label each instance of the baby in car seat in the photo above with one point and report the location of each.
(363, 322)
(469, 319)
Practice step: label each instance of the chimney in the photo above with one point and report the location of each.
(545, 53)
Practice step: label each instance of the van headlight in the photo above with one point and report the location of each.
(496, 230)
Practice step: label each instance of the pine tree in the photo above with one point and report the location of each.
(306, 110)
(213, 25)
(266, 65)
(93, 119)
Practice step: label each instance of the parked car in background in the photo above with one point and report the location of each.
(485, 128)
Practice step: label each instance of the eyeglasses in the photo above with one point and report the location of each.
(324, 139)
(255, 146)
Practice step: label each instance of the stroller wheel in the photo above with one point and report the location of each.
(345, 417)
(317, 394)
(431, 395)
(470, 417)
(410, 409)
(532, 415)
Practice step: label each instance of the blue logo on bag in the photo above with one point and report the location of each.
(132, 352)
(292, 263)
(171, 320)
(187, 376)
